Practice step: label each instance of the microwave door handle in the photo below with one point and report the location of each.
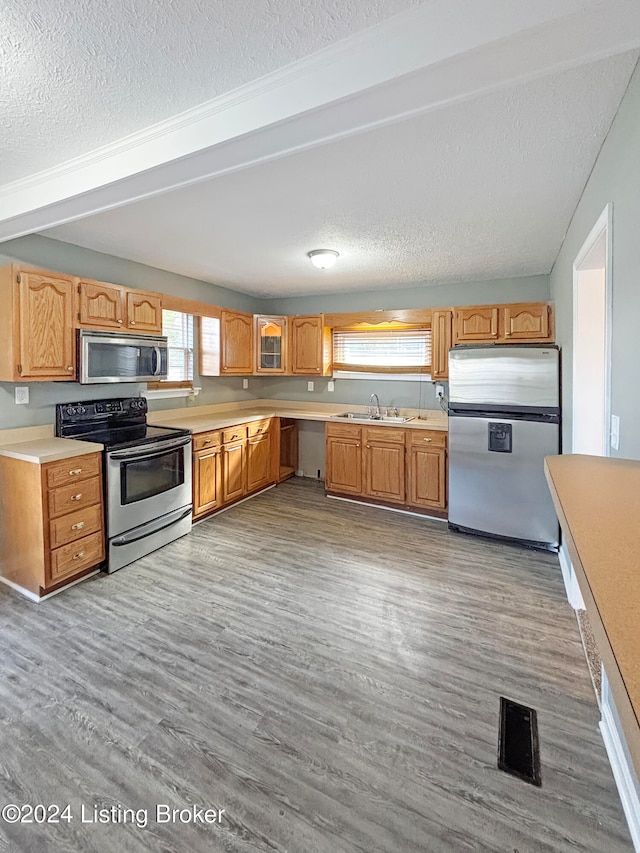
(158, 361)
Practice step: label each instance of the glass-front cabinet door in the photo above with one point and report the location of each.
(271, 344)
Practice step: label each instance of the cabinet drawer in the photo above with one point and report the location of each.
(343, 430)
(205, 440)
(75, 525)
(388, 435)
(258, 428)
(238, 433)
(76, 468)
(80, 555)
(77, 496)
(430, 437)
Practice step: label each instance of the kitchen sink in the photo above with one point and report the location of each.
(363, 416)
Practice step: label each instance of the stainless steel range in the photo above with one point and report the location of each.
(147, 474)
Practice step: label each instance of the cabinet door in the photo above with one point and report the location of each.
(427, 477)
(477, 324)
(236, 332)
(47, 333)
(260, 468)
(344, 465)
(307, 345)
(102, 306)
(384, 470)
(271, 344)
(207, 481)
(234, 471)
(528, 321)
(144, 312)
(440, 344)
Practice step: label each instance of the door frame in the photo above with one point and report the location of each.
(603, 225)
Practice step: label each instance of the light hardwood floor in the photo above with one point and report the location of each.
(329, 674)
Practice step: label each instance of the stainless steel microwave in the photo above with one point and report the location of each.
(114, 357)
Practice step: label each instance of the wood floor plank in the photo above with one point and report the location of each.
(326, 672)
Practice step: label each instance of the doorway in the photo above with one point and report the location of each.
(592, 341)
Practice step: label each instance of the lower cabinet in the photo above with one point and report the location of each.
(51, 521)
(232, 463)
(389, 465)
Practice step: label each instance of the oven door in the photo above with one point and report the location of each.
(145, 483)
(106, 357)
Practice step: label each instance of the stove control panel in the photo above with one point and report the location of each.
(91, 410)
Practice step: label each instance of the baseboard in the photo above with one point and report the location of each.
(574, 596)
(623, 772)
(33, 596)
(388, 508)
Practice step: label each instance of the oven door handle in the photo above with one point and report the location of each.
(149, 451)
(136, 535)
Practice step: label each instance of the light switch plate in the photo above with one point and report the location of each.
(245, 384)
(309, 386)
(22, 396)
(331, 385)
(615, 432)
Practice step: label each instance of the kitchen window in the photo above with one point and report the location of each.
(401, 352)
(178, 328)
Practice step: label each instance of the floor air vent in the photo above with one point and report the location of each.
(518, 750)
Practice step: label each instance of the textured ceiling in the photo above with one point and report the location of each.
(475, 190)
(78, 75)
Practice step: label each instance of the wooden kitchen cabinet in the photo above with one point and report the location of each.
(259, 461)
(478, 324)
(286, 449)
(344, 459)
(234, 471)
(236, 343)
(384, 463)
(51, 521)
(115, 308)
(519, 322)
(441, 331)
(36, 326)
(427, 470)
(310, 346)
(207, 480)
(271, 344)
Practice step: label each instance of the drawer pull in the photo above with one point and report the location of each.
(78, 555)
(427, 439)
(75, 471)
(259, 429)
(207, 441)
(76, 497)
(235, 435)
(78, 525)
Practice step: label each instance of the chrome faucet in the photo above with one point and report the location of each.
(377, 414)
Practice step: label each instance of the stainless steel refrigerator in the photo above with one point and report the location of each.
(504, 418)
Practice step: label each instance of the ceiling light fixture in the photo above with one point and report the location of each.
(323, 258)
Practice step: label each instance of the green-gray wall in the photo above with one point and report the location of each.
(615, 179)
(74, 260)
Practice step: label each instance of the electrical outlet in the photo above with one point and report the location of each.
(245, 384)
(22, 396)
(439, 391)
(331, 385)
(310, 386)
(615, 431)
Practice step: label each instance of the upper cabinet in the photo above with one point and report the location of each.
(111, 307)
(236, 343)
(519, 322)
(271, 344)
(36, 326)
(441, 326)
(310, 346)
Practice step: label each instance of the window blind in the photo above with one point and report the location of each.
(178, 328)
(383, 351)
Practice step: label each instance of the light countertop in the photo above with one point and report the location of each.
(50, 449)
(598, 504)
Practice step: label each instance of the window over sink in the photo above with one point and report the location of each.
(385, 350)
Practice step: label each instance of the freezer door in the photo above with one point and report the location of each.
(496, 477)
(504, 376)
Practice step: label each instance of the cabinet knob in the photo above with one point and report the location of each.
(70, 369)
(132, 322)
(368, 447)
(78, 526)
(119, 321)
(74, 471)
(78, 555)
(76, 497)
(427, 439)
(358, 444)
